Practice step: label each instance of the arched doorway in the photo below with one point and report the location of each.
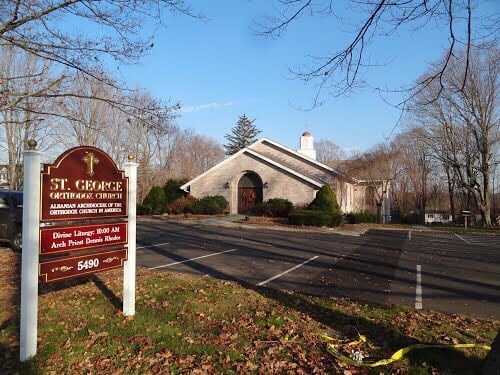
(249, 192)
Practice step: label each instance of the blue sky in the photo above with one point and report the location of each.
(219, 69)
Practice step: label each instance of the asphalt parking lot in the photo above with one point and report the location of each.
(429, 270)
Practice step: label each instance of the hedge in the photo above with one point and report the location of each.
(277, 207)
(180, 205)
(315, 218)
(361, 217)
(144, 210)
(210, 205)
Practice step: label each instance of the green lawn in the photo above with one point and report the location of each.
(187, 324)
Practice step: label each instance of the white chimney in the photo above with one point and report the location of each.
(307, 145)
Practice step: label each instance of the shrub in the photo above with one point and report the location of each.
(326, 200)
(210, 205)
(411, 218)
(180, 205)
(144, 209)
(275, 207)
(156, 200)
(361, 217)
(172, 189)
(315, 218)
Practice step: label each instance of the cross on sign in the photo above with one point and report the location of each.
(90, 159)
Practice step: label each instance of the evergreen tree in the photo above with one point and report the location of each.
(242, 135)
(326, 200)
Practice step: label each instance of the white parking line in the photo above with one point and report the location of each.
(158, 244)
(285, 272)
(463, 239)
(418, 289)
(188, 260)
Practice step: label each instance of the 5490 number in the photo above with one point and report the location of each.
(87, 264)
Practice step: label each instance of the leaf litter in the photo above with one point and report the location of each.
(197, 325)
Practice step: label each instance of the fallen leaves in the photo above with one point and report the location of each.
(201, 326)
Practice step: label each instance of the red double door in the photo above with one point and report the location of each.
(248, 199)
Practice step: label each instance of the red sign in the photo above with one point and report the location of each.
(83, 183)
(64, 239)
(69, 267)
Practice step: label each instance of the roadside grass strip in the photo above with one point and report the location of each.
(287, 271)
(189, 260)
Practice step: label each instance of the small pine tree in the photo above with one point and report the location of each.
(326, 200)
(173, 190)
(242, 135)
(156, 200)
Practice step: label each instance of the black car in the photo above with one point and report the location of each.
(11, 218)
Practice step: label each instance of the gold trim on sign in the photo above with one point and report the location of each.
(62, 269)
(47, 170)
(46, 275)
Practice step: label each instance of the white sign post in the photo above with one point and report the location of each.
(29, 259)
(130, 264)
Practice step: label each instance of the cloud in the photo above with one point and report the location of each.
(201, 107)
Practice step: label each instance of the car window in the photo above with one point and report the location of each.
(18, 199)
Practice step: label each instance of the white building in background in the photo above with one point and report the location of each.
(438, 217)
(4, 177)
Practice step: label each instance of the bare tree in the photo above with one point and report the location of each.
(83, 118)
(110, 30)
(366, 22)
(146, 132)
(463, 124)
(327, 151)
(18, 126)
(414, 164)
(197, 154)
(375, 169)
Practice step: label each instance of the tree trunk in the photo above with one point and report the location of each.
(451, 191)
(484, 206)
(379, 213)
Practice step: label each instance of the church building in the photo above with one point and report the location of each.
(267, 169)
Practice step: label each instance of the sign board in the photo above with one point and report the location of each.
(73, 266)
(83, 183)
(79, 237)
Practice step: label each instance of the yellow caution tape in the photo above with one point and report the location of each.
(396, 356)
